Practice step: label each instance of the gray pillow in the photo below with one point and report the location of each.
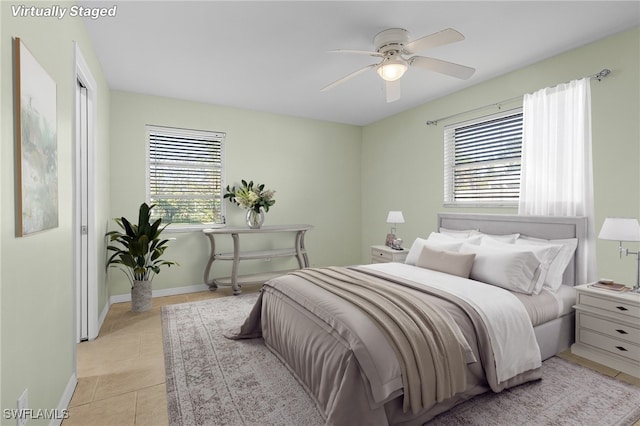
(446, 261)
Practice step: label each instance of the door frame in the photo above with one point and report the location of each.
(83, 73)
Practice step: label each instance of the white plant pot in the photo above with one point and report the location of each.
(141, 296)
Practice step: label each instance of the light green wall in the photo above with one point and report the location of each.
(36, 293)
(313, 166)
(406, 145)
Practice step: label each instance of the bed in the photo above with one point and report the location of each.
(400, 343)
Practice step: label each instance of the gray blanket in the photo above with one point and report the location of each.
(427, 347)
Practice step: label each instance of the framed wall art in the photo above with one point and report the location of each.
(36, 144)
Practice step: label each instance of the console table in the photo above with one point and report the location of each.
(235, 281)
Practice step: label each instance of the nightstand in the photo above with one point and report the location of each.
(384, 254)
(608, 328)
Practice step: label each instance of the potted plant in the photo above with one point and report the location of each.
(254, 198)
(138, 254)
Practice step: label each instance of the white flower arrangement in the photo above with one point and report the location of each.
(250, 196)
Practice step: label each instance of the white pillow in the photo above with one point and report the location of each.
(446, 261)
(506, 238)
(545, 253)
(444, 238)
(509, 269)
(561, 261)
(416, 248)
(456, 233)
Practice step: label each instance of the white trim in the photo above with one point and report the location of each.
(195, 227)
(65, 400)
(194, 133)
(485, 204)
(103, 315)
(83, 73)
(120, 298)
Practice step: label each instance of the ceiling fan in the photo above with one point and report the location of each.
(393, 45)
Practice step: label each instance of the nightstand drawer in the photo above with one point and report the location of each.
(617, 306)
(381, 255)
(615, 346)
(610, 328)
(384, 254)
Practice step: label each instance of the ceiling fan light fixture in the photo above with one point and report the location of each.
(392, 70)
(392, 44)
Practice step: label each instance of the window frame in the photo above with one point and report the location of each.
(449, 163)
(187, 133)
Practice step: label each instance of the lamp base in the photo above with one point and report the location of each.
(636, 288)
(397, 244)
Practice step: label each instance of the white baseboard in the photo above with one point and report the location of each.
(65, 400)
(119, 298)
(103, 315)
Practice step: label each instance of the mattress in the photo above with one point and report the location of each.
(548, 305)
(566, 298)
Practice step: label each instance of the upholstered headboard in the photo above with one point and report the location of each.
(547, 227)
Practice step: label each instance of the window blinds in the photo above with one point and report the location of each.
(185, 174)
(482, 160)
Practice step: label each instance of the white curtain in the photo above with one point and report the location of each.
(557, 171)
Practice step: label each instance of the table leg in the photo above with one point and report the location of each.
(234, 269)
(301, 253)
(210, 282)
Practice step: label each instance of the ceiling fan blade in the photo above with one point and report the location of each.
(433, 40)
(358, 52)
(392, 90)
(443, 67)
(347, 77)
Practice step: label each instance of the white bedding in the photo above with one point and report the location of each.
(514, 344)
(566, 298)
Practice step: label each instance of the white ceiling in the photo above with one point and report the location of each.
(272, 56)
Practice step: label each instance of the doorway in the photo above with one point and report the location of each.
(82, 289)
(85, 230)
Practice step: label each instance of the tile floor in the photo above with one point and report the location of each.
(121, 376)
(121, 373)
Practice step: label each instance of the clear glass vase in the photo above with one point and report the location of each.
(255, 219)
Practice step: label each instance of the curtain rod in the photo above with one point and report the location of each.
(598, 76)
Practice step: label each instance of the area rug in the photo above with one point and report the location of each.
(215, 381)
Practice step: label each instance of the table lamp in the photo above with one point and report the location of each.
(623, 229)
(394, 217)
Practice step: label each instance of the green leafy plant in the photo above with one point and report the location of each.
(140, 246)
(250, 196)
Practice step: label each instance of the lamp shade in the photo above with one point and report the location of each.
(620, 229)
(395, 217)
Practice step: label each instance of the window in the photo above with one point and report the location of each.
(482, 160)
(185, 175)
